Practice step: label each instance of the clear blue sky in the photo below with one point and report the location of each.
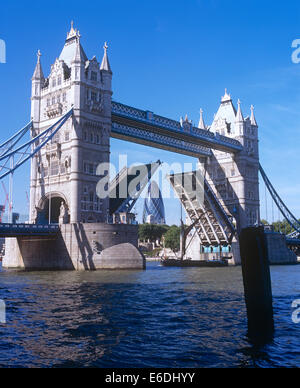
(171, 57)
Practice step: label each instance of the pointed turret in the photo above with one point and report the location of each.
(73, 51)
(38, 72)
(201, 124)
(79, 57)
(105, 66)
(253, 119)
(239, 115)
(38, 81)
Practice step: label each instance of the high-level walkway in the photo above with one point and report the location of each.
(147, 128)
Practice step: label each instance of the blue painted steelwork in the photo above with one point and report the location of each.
(293, 241)
(127, 175)
(145, 125)
(9, 144)
(159, 141)
(29, 149)
(15, 230)
(290, 218)
(293, 235)
(219, 209)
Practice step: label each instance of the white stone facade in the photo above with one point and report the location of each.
(235, 178)
(65, 170)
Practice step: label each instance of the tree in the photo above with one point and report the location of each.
(172, 238)
(150, 232)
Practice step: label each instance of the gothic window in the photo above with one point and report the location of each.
(53, 100)
(54, 169)
(93, 76)
(83, 204)
(62, 168)
(87, 94)
(93, 96)
(88, 168)
(97, 139)
(58, 99)
(67, 136)
(55, 138)
(48, 101)
(54, 82)
(85, 167)
(92, 137)
(91, 196)
(64, 97)
(59, 81)
(85, 135)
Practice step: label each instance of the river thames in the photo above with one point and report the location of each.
(162, 317)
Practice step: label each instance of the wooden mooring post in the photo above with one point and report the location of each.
(257, 284)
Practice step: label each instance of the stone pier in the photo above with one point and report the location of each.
(77, 247)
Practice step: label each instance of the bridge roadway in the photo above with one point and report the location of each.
(18, 230)
(144, 127)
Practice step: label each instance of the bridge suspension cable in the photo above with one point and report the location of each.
(287, 214)
(11, 159)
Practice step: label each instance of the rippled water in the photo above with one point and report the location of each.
(162, 317)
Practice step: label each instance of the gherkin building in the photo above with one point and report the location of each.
(154, 210)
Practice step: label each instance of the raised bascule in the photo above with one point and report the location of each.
(73, 119)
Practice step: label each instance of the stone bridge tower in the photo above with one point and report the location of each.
(235, 178)
(63, 174)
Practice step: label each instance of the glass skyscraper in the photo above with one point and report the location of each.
(154, 210)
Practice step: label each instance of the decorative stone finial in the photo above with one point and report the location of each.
(38, 72)
(239, 115)
(105, 62)
(201, 121)
(226, 97)
(73, 32)
(39, 56)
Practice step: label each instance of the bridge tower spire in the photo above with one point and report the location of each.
(239, 120)
(253, 119)
(37, 84)
(201, 124)
(64, 180)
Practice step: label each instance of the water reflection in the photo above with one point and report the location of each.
(158, 318)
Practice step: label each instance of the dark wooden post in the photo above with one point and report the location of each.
(257, 283)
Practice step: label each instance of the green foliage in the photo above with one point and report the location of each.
(172, 238)
(149, 232)
(280, 226)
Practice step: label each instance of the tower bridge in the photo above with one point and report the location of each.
(73, 118)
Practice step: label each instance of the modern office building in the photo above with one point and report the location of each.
(154, 210)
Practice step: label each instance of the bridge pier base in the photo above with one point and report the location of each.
(77, 247)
